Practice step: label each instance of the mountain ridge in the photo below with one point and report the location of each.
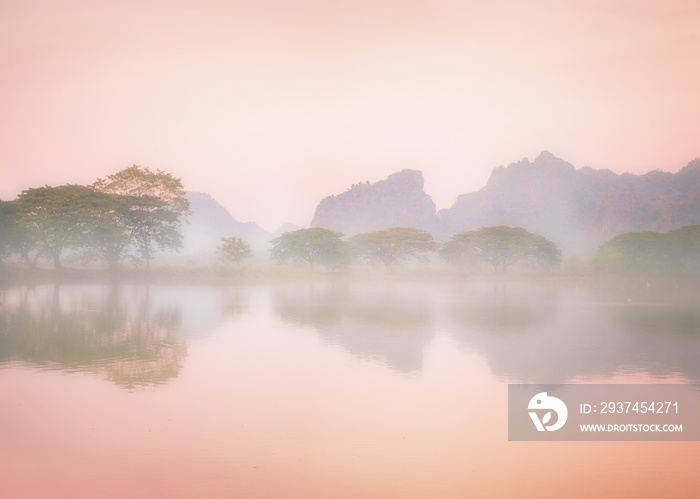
(209, 221)
(578, 209)
(399, 199)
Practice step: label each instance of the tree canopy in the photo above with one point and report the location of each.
(8, 228)
(503, 246)
(233, 249)
(459, 253)
(650, 252)
(57, 218)
(157, 207)
(310, 246)
(133, 209)
(395, 245)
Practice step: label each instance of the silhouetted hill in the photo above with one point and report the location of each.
(577, 209)
(398, 201)
(209, 222)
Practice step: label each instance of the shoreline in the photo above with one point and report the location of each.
(11, 276)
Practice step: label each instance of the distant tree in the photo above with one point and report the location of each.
(502, 247)
(642, 252)
(157, 207)
(233, 249)
(315, 245)
(337, 256)
(9, 230)
(55, 218)
(685, 252)
(395, 245)
(458, 253)
(608, 258)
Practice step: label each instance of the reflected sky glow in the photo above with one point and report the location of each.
(273, 398)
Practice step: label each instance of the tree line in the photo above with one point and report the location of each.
(674, 252)
(129, 214)
(136, 212)
(500, 247)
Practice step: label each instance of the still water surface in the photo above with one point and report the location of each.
(377, 389)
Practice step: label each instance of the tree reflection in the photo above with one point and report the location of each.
(564, 335)
(382, 323)
(499, 308)
(93, 330)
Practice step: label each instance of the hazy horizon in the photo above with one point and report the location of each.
(271, 106)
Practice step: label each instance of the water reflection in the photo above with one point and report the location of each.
(286, 382)
(93, 329)
(388, 323)
(500, 308)
(527, 332)
(542, 334)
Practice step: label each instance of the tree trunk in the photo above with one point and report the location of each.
(56, 258)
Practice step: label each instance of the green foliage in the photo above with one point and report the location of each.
(8, 229)
(395, 245)
(134, 207)
(651, 252)
(138, 181)
(685, 252)
(56, 218)
(153, 224)
(502, 247)
(338, 255)
(157, 206)
(459, 253)
(609, 258)
(635, 252)
(309, 246)
(233, 249)
(107, 235)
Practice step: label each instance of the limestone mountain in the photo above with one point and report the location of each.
(398, 201)
(210, 221)
(577, 209)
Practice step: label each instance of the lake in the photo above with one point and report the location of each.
(330, 388)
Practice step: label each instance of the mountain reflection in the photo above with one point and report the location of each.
(98, 329)
(527, 332)
(564, 334)
(136, 335)
(386, 323)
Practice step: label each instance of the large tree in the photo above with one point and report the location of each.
(56, 218)
(392, 246)
(686, 248)
(650, 252)
(157, 207)
(308, 246)
(502, 247)
(108, 234)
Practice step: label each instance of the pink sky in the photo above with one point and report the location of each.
(270, 105)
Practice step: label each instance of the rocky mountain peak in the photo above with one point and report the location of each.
(397, 201)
